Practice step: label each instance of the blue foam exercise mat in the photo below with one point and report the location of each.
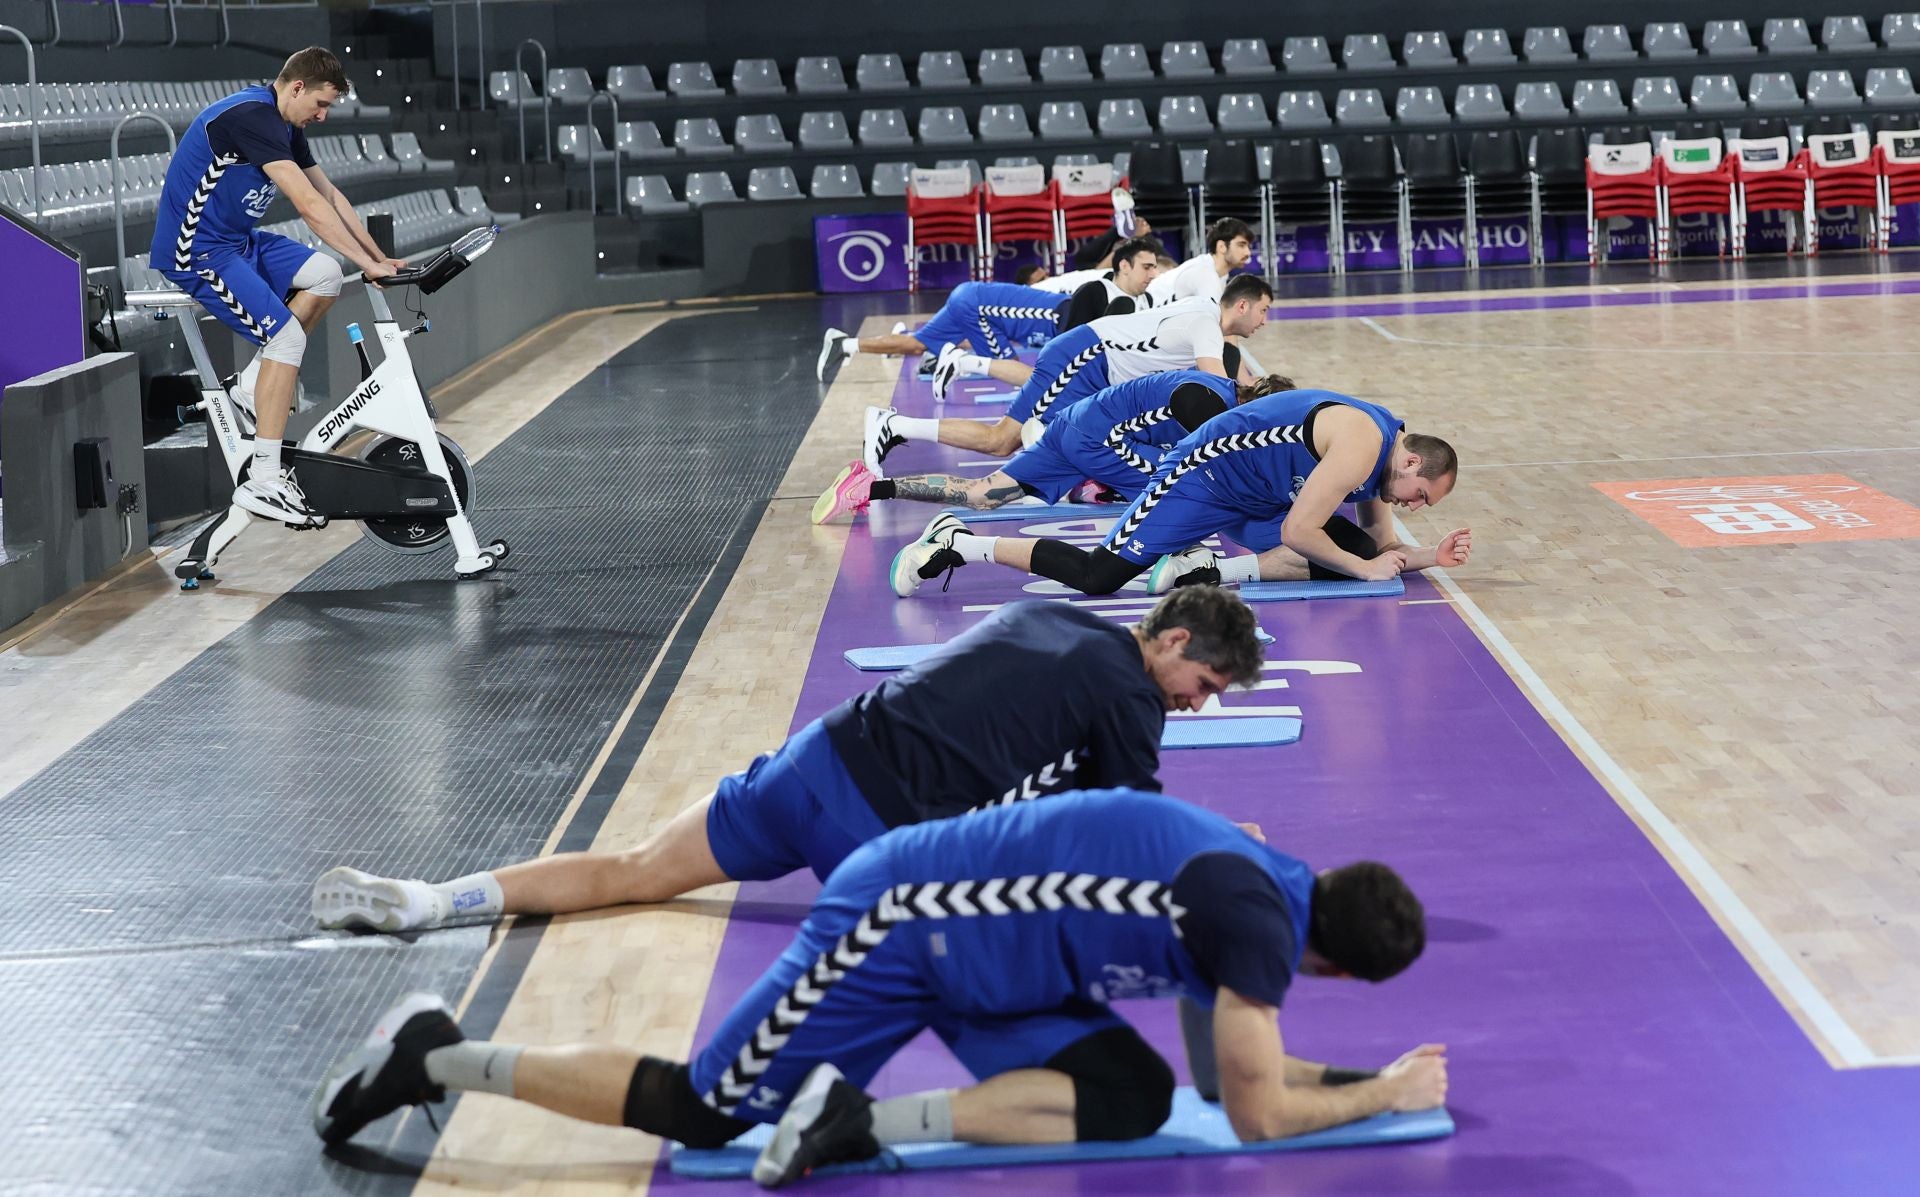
(996, 397)
(1195, 1128)
(1280, 592)
(1239, 731)
(899, 656)
(1036, 511)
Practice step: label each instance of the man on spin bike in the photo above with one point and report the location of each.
(232, 161)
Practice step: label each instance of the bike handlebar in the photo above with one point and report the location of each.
(439, 270)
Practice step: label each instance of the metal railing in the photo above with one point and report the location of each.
(593, 189)
(520, 98)
(34, 113)
(120, 213)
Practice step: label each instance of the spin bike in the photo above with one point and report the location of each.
(409, 486)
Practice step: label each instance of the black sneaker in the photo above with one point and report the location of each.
(386, 1072)
(828, 1122)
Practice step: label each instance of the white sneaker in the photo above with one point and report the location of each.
(1195, 567)
(829, 352)
(899, 327)
(945, 369)
(346, 897)
(927, 558)
(878, 438)
(276, 497)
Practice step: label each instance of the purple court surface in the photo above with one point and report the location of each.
(1604, 1036)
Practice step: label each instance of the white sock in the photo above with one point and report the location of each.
(974, 548)
(972, 365)
(915, 428)
(915, 1118)
(477, 895)
(849, 346)
(266, 457)
(474, 1066)
(248, 376)
(1244, 568)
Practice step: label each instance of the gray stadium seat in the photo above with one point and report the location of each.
(824, 131)
(569, 85)
(891, 178)
(1366, 52)
(1546, 43)
(575, 142)
(1246, 56)
(710, 187)
(1420, 106)
(1716, 95)
(1539, 102)
(967, 164)
(1360, 108)
(835, 180)
(1003, 68)
(506, 88)
(772, 183)
(1243, 113)
(1193, 166)
(942, 68)
(818, 75)
(1831, 89)
(1185, 60)
(757, 77)
(1430, 49)
(1727, 39)
(884, 127)
(759, 133)
(1597, 99)
(639, 141)
(1667, 39)
(652, 195)
(1773, 91)
(1890, 87)
(699, 137)
(1486, 47)
(880, 72)
(1845, 34)
(1016, 160)
(1306, 56)
(944, 126)
(1069, 161)
(1786, 35)
(1127, 60)
(1479, 102)
(1184, 114)
(1607, 43)
(1658, 96)
(1301, 110)
(1004, 122)
(1900, 30)
(1064, 121)
(1123, 118)
(692, 79)
(631, 83)
(1063, 64)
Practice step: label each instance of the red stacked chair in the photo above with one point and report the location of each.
(1696, 177)
(1842, 172)
(1018, 203)
(1082, 201)
(1623, 179)
(1897, 157)
(937, 215)
(1769, 177)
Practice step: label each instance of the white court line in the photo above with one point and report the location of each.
(1514, 465)
(1373, 324)
(1708, 883)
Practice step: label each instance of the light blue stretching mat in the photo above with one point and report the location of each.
(996, 397)
(1195, 1128)
(1231, 731)
(899, 656)
(1280, 592)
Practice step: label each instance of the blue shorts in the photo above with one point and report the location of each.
(866, 1015)
(1173, 519)
(246, 290)
(793, 808)
(996, 319)
(1071, 367)
(1065, 457)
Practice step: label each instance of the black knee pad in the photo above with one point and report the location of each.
(661, 1101)
(1122, 1089)
(1349, 537)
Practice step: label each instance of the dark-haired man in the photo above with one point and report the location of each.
(232, 161)
(932, 741)
(1190, 334)
(1271, 475)
(1227, 246)
(1007, 934)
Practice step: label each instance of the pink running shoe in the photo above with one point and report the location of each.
(1092, 492)
(846, 498)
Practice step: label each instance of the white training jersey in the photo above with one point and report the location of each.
(1191, 278)
(1169, 338)
(1067, 284)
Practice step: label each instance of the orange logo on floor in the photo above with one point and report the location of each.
(1713, 512)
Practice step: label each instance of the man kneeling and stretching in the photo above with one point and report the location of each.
(1007, 934)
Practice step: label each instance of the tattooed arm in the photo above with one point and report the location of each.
(980, 494)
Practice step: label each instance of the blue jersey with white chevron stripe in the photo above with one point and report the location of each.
(1255, 457)
(1142, 406)
(1034, 906)
(216, 190)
